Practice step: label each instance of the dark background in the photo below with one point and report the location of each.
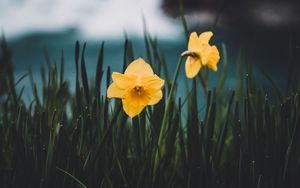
(265, 31)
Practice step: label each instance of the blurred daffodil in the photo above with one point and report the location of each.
(137, 87)
(200, 53)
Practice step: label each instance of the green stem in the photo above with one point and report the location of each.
(163, 130)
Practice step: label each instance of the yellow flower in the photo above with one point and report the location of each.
(200, 53)
(137, 87)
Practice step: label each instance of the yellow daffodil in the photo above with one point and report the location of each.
(137, 87)
(200, 53)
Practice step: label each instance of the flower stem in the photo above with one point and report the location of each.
(161, 144)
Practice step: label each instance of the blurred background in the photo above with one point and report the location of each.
(266, 31)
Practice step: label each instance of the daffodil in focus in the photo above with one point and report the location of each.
(200, 53)
(137, 87)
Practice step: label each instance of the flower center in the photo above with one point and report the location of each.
(138, 89)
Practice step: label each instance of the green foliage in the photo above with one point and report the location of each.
(79, 138)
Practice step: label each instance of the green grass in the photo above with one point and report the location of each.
(79, 138)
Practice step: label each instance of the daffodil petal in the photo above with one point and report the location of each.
(192, 67)
(139, 68)
(123, 81)
(213, 58)
(204, 53)
(132, 110)
(194, 43)
(114, 91)
(205, 37)
(152, 82)
(155, 97)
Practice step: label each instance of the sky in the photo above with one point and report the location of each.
(97, 18)
(111, 18)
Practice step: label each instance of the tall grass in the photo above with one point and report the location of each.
(66, 138)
